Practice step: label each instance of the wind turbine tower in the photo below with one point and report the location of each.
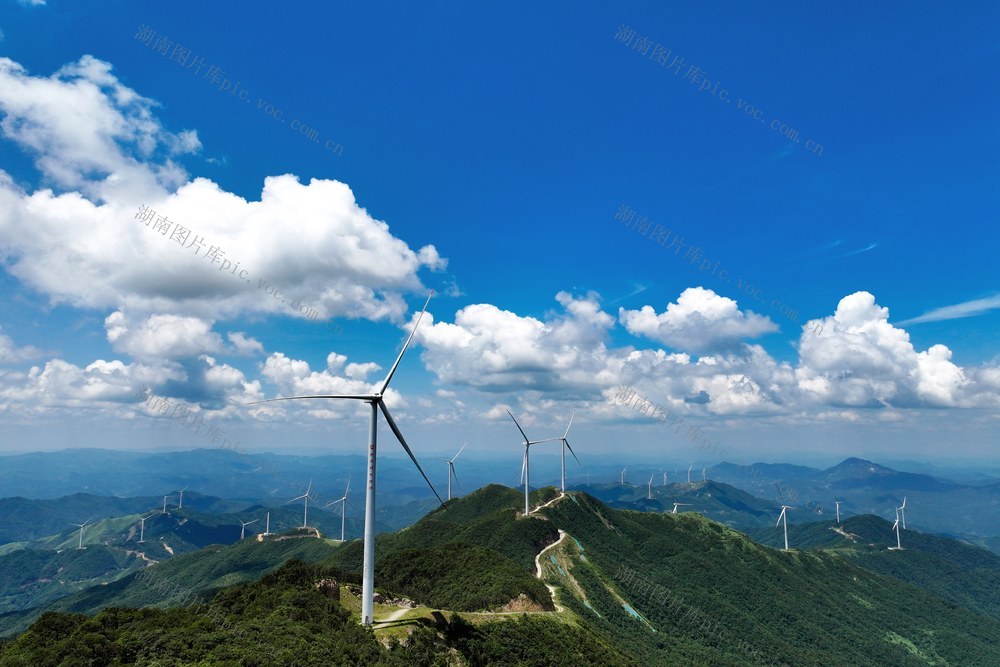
(783, 518)
(267, 525)
(305, 498)
(376, 401)
(895, 527)
(343, 500)
(902, 512)
(180, 503)
(565, 446)
(664, 479)
(451, 471)
(623, 475)
(243, 528)
(165, 504)
(649, 490)
(81, 526)
(142, 526)
(525, 464)
(837, 503)
(704, 476)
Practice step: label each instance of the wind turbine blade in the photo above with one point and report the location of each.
(360, 397)
(348, 486)
(536, 442)
(399, 436)
(403, 351)
(518, 427)
(455, 475)
(459, 452)
(566, 434)
(571, 450)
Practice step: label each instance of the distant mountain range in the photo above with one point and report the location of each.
(577, 582)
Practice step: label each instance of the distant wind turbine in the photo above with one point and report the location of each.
(305, 498)
(81, 526)
(243, 528)
(676, 505)
(783, 518)
(704, 477)
(664, 479)
(525, 464)
(689, 472)
(895, 527)
(267, 525)
(649, 491)
(142, 526)
(902, 512)
(565, 446)
(375, 400)
(623, 475)
(837, 501)
(180, 503)
(451, 469)
(165, 504)
(344, 501)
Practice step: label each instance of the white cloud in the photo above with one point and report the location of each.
(10, 353)
(100, 142)
(957, 311)
(700, 320)
(169, 336)
(243, 344)
(862, 360)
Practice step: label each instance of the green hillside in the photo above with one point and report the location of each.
(629, 588)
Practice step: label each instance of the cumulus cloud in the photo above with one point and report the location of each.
(862, 360)
(100, 143)
(162, 336)
(243, 344)
(700, 320)
(11, 353)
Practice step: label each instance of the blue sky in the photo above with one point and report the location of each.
(485, 152)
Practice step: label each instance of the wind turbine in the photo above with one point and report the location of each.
(524, 462)
(837, 502)
(243, 529)
(165, 504)
(895, 527)
(345, 501)
(676, 505)
(704, 478)
(689, 472)
(267, 525)
(565, 445)
(142, 525)
(180, 504)
(451, 472)
(375, 400)
(664, 479)
(649, 490)
(80, 526)
(783, 517)
(902, 512)
(305, 498)
(623, 475)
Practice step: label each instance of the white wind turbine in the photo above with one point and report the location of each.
(664, 479)
(305, 498)
(344, 501)
(375, 400)
(180, 502)
(704, 477)
(783, 517)
(565, 446)
(451, 470)
(165, 504)
(649, 489)
(837, 501)
(895, 527)
(142, 526)
(902, 512)
(525, 467)
(81, 526)
(623, 475)
(689, 472)
(676, 505)
(243, 528)
(267, 525)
